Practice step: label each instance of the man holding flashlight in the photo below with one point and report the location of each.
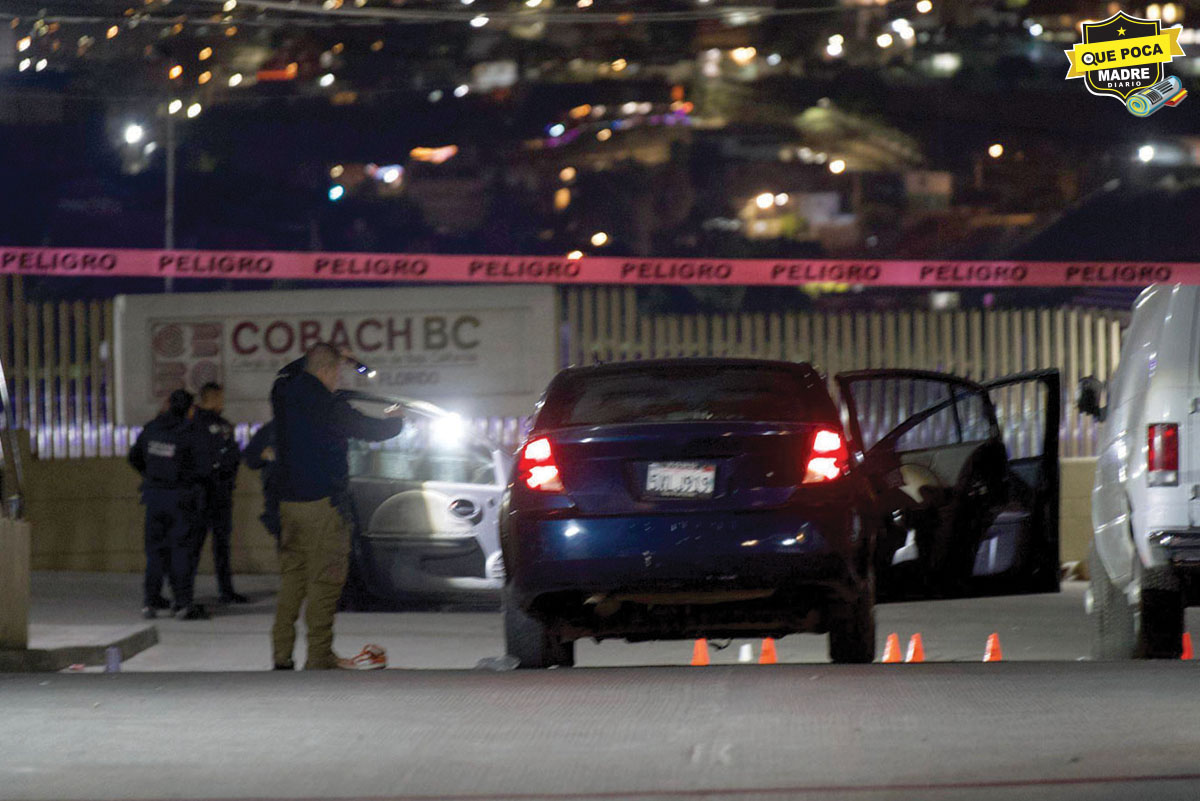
(312, 428)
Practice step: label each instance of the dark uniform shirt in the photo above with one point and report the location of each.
(169, 454)
(221, 446)
(312, 429)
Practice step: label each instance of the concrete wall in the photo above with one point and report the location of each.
(14, 584)
(1075, 509)
(86, 516)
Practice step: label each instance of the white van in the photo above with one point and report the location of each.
(1145, 556)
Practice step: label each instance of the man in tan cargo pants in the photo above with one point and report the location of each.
(312, 428)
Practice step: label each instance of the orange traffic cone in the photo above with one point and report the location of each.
(916, 649)
(768, 657)
(700, 653)
(891, 651)
(992, 652)
(1187, 646)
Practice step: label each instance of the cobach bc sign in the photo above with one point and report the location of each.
(473, 350)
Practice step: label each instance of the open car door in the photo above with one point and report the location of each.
(957, 519)
(1021, 550)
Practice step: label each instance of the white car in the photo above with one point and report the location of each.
(1145, 556)
(426, 506)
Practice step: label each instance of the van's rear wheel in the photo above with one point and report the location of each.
(1114, 632)
(528, 639)
(1160, 629)
(1151, 630)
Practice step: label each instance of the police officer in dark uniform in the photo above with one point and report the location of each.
(217, 514)
(169, 456)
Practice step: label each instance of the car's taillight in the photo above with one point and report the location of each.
(1162, 455)
(536, 468)
(828, 458)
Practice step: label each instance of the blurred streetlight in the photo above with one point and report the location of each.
(1145, 154)
(204, 78)
(833, 49)
(479, 21)
(765, 200)
(112, 32)
(134, 133)
(327, 79)
(235, 79)
(575, 255)
(194, 110)
(336, 192)
(1036, 29)
(24, 44)
(837, 39)
(25, 64)
(230, 5)
(996, 150)
(175, 72)
(557, 129)
(781, 199)
(604, 134)
(461, 90)
(206, 53)
(884, 40)
(174, 106)
(567, 174)
(743, 55)
(41, 64)
(599, 239)
(924, 7)
(837, 166)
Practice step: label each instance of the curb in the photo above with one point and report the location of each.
(43, 660)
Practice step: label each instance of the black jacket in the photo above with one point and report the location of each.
(169, 454)
(312, 429)
(221, 447)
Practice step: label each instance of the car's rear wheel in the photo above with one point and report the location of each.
(529, 640)
(852, 628)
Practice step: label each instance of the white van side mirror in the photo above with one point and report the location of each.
(1087, 397)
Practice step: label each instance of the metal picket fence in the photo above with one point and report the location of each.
(59, 356)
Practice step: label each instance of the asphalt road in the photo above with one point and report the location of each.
(633, 722)
(933, 731)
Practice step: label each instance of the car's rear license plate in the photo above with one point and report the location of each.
(681, 479)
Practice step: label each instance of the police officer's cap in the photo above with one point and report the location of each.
(179, 402)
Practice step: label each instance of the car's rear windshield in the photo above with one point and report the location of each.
(685, 394)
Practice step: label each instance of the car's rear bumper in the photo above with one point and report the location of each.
(809, 545)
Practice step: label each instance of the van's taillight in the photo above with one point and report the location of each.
(536, 468)
(1162, 456)
(828, 458)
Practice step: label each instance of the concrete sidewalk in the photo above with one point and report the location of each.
(1039, 627)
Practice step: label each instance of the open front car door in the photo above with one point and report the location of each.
(960, 518)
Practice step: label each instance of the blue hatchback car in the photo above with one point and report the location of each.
(687, 498)
(723, 498)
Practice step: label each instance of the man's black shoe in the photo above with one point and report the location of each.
(192, 612)
(234, 598)
(287, 666)
(159, 603)
(149, 613)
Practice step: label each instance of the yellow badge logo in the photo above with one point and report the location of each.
(1123, 57)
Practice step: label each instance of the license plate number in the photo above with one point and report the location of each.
(681, 479)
